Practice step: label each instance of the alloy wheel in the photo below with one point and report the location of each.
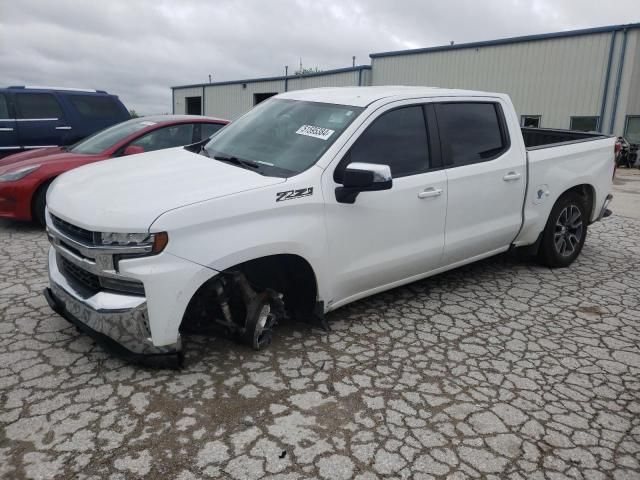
(568, 231)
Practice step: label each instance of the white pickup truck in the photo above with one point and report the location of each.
(311, 200)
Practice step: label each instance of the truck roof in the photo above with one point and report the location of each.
(363, 96)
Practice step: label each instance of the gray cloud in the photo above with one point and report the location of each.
(137, 50)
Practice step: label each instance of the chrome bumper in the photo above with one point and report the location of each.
(117, 317)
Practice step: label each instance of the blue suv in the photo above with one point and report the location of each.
(38, 117)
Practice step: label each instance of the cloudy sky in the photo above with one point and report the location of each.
(138, 49)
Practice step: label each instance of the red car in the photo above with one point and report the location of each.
(25, 177)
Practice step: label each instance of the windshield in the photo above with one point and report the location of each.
(283, 137)
(107, 138)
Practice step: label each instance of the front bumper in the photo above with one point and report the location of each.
(15, 199)
(117, 321)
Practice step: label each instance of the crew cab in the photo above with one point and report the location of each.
(311, 200)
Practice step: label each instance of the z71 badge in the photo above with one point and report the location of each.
(293, 194)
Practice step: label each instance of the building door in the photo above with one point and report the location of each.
(194, 105)
(261, 97)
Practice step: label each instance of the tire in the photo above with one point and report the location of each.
(565, 232)
(39, 204)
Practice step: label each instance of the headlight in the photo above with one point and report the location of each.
(18, 174)
(155, 240)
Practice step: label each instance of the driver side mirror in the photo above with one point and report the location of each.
(133, 150)
(363, 177)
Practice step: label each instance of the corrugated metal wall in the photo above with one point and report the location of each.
(232, 100)
(555, 78)
(629, 101)
(344, 79)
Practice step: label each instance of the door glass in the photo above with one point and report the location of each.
(397, 138)
(37, 105)
(632, 132)
(469, 132)
(167, 137)
(4, 108)
(208, 129)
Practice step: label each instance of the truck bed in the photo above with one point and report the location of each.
(536, 138)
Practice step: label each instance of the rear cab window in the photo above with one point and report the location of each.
(94, 106)
(471, 132)
(38, 106)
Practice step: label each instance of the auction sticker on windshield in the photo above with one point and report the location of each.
(316, 132)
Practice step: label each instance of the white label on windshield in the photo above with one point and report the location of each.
(317, 132)
(147, 123)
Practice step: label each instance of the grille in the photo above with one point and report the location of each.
(94, 283)
(88, 279)
(76, 233)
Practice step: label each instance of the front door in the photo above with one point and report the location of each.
(41, 120)
(9, 142)
(486, 177)
(391, 235)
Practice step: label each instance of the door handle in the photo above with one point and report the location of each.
(64, 128)
(430, 192)
(6, 129)
(511, 176)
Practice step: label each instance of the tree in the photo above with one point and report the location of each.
(306, 71)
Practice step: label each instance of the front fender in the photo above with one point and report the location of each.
(227, 231)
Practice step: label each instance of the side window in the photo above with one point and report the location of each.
(397, 138)
(96, 106)
(167, 137)
(4, 107)
(584, 124)
(632, 129)
(530, 121)
(37, 105)
(208, 129)
(470, 132)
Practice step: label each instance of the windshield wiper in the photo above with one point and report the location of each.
(237, 161)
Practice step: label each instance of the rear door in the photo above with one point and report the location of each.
(9, 142)
(41, 120)
(92, 112)
(486, 178)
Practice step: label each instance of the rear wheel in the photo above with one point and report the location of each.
(565, 232)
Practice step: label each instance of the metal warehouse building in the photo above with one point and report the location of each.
(584, 79)
(231, 99)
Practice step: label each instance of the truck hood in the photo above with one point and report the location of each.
(127, 194)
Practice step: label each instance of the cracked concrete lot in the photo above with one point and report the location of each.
(501, 369)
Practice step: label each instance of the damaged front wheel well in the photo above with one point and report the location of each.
(246, 300)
